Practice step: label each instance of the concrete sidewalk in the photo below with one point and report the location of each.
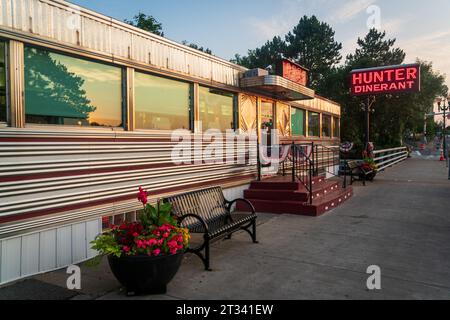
(400, 222)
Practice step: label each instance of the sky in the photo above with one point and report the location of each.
(227, 27)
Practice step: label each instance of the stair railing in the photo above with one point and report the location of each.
(326, 158)
(303, 167)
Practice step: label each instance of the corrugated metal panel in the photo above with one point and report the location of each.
(30, 254)
(79, 242)
(93, 229)
(6, 16)
(69, 24)
(46, 250)
(54, 159)
(64, 247)
(10, 259)
(320, 104)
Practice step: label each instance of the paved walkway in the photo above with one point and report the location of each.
(400, 222)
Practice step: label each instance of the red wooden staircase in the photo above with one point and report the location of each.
(304, 191)
(280, 195)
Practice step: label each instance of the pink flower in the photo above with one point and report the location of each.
(135, 234)
(156, 252)
(166, 235)
(152, 242)
(172, 244)
(142, 196)
(140, 244)
(126, 249)
(173, 251)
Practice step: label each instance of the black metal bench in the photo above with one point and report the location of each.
(355, 171)
(208, 212)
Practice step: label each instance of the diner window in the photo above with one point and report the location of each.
(326, 125)
(313, 124)
(336, 127)
(63, 90)
(3, 111)
(216, 109)
(161, 103)
(298, 121)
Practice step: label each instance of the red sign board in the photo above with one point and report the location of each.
(385, 80)
(292, 71)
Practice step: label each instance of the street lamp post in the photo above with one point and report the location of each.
(444, 106)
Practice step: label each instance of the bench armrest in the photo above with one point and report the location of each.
(230, 203)
(196, 216)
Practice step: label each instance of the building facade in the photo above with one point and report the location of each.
(87, 108)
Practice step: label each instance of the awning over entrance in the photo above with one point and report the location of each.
(277, 87)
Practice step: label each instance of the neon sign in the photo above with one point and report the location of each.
(385, 80)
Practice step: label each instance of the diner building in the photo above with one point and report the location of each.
(87, 108)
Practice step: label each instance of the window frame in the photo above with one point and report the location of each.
(330, 126)
(123, 87)
(191, 108)
(334, 119)
(318, 125)
(304, 122)
(235, 111)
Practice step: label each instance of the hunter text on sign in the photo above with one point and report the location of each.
(385, 80)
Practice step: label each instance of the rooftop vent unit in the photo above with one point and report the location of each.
(258, 72)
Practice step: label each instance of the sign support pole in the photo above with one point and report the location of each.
(369, 103)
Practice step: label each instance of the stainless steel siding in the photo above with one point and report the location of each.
(32, 157)
(70, 24)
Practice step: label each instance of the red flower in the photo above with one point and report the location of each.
(156, 252)
(142, 196)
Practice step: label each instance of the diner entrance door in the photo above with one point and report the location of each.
(267, 124)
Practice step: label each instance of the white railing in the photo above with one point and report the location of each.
(388, 157)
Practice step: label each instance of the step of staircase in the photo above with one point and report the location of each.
(298, 194)
(274, 184)
(275, 196)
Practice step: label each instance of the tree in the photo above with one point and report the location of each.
(374, 50)
(311, 44)
(147, 23)
(266, 56)
(52, 90)
(197, 47)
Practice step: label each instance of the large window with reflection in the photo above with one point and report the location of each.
(216, 109)
(64, 90)
(313, 124)
(298, 121)
(160, 103)
(326, 125)
(3, 111)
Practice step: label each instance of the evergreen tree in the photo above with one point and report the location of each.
(147, 23)
(311, 44)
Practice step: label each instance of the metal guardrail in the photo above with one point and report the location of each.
(388, 157)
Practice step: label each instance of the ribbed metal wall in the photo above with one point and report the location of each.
(39, 173)
(62, 22)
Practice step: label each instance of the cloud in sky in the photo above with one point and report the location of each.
(350, 9)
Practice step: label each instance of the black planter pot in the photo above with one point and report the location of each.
(145, 274)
